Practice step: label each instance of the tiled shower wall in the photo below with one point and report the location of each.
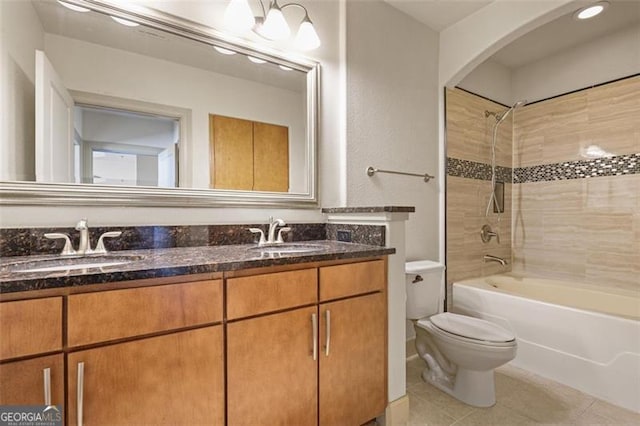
(574, 206)
(469, 135)
(576, 210)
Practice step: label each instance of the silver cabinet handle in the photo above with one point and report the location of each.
(80, 391)
(328, 339)
(47, 386)
(314, 326)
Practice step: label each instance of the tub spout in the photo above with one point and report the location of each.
(490, 258)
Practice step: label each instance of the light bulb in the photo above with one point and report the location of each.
(256, 60)
(285, 68)
(224, 51)
(238, 16)
(591, 11)
(125, 22)
(73, 6)
(275, 26)
(307, 38)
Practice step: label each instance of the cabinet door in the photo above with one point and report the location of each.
(270, 157)
(353, 385)
(271, 373)
(172, 379)
(23, 382)
(231, 153)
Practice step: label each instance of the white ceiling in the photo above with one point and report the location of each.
(560, 34)
(438, 14)
(566, 32)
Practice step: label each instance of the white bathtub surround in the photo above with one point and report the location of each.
(560, 336)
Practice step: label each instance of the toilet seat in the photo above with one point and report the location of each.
(469, 329)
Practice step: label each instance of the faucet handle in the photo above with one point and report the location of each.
(100, 248)
(280, 240)
(82, 224)
(68, 248)
(261, 232)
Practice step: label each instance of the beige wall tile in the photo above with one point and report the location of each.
(470, 132)
(585, 230)
(563, 128)
(612, 194)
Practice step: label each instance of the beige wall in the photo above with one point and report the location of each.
(588, 229)
(469, 136)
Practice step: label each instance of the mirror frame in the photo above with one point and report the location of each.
(43, 194)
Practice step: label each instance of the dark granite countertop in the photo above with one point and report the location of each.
(174, 261)
(373, 209)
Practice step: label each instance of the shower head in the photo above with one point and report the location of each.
(500, 117)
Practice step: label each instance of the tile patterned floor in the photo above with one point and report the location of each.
(523, 398)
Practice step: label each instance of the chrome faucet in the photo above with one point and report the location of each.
(271, 235)
(84, 247)
(273, 225)
(490, 258)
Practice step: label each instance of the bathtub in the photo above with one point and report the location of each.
(573, 334)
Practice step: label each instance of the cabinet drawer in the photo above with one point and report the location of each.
(29, 327)
(110, 315)
(352, 279)
(258, 294)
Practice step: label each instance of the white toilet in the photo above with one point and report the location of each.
(461, 352)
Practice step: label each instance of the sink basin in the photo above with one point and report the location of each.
(70, 263)
(288, 248)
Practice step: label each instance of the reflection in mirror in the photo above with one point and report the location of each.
(92, 101)
(121, 147)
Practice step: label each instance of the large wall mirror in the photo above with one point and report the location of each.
(137, 106)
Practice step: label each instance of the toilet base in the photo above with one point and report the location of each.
(476, 388)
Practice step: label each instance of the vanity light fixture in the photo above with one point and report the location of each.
(125, 22)
(271, 25)
(591, 10)
(73, 7)
(224, 51)
(285, 68)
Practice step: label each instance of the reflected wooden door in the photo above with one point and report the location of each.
(270, 157)
(231, 148)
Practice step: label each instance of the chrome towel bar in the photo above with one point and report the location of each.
(372, 171)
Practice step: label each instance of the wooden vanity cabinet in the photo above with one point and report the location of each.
(312, 348)
(353, 336)
(171, 379)
(155, 356)
(30, 334)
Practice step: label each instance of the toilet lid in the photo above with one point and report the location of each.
(471, 328)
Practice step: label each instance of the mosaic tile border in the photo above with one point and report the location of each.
(618, 165)
(474, 170)
(608, 166)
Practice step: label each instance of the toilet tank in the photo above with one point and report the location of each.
(425, 288)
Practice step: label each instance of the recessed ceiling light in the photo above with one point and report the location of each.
(285, 68)
(73, 6)
(256, 60)
(224, 51)
(125, 22)
(591, 11)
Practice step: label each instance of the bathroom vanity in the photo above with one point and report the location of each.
(239, 338)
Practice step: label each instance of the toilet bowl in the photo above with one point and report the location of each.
(460, 352)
